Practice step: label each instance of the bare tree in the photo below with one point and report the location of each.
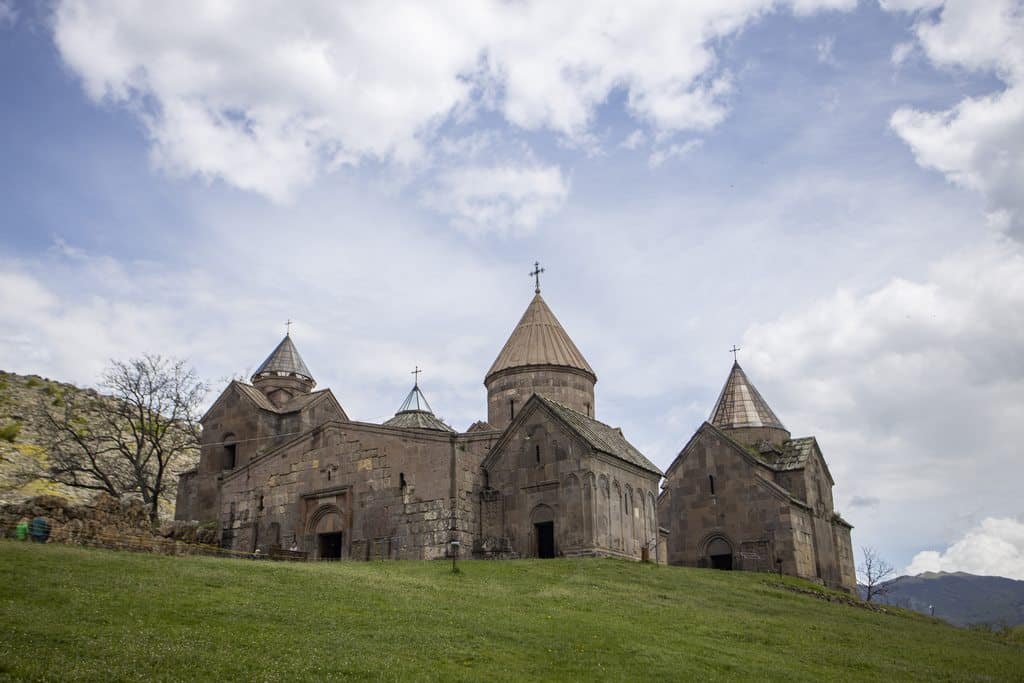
(129, 442)
(875, 574)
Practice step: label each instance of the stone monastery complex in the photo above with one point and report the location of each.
(282, 465)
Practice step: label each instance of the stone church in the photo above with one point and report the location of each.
(742, 494)
(283, 466)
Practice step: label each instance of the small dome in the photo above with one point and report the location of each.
(415, 413)
(284, 361)
(741, 405)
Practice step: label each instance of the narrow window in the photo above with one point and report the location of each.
(230, 451)
(538, 452)
(261, 503)
(588, 409)
(401, 480)
(711, 480)
(328, 474)
(511, 409)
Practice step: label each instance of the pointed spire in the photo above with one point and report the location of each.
(415, 402)
(284, 361)
(741, 405)
(415, 413)
(539, 339)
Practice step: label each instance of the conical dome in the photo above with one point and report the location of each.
(284, 361)
(740, 405)
(538, 358)
(540, 340)
(415, 413)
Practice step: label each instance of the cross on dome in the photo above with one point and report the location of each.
(537, 270)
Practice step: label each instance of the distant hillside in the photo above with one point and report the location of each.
(959, 598)
(22, 400)
(180, 618)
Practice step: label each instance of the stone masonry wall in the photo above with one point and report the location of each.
(545, 473)
(388, 491)
(742, 510)
(570, 388)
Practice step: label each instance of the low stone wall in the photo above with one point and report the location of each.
(107, 522)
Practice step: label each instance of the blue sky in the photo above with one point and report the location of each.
(835, 186)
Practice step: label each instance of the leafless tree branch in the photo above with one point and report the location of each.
(875, 574)
(127, 443)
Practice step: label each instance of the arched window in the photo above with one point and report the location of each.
(537, 450)
(401, 480)
(711, 483)
(511, 409)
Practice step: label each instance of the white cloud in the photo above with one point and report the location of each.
(979, 143)
(505, 199)
(266, 100)
(993, 548)
(900, 53)
(8, 14)
(825, 48)
(634, 140)
(674, 151)
(914, 389)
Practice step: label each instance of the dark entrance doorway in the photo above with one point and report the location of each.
(330, 546)
(721, 562)
(545, 539)
(720, 554)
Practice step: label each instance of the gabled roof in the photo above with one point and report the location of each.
(597, 435)
(415, 413)
(741, 405)
(750, 455)
(539, 339)
(296, 404)
(480, 426)
(284, 360)
(795, 453)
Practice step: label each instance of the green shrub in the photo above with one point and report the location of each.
(9, 432)
(32, 382)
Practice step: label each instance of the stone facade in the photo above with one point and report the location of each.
(282, 465)
(554, 489)
(743, 495)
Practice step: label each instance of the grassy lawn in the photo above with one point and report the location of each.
(72, 613)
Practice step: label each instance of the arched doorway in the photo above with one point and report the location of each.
(719, 553)
(543, 518)
(327, 529)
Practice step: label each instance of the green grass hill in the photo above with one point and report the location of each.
(69, 613)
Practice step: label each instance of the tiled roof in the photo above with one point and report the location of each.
(600, 436)
(741, 405)
(417, 419)
(539, 339)
(257, 396)
(294, 405)
(285, 359)
(795, 453)
(480, 426)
